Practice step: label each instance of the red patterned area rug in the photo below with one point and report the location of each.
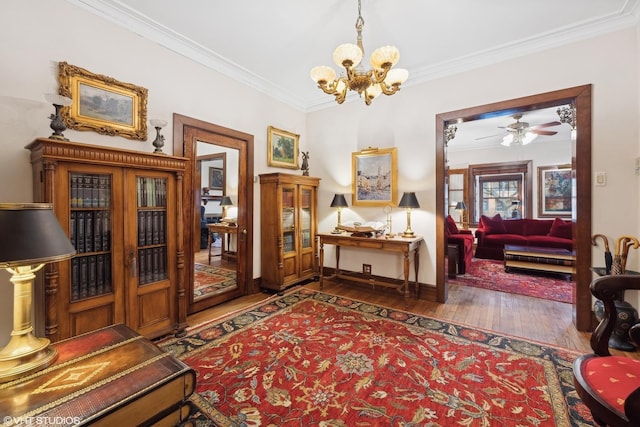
(490, 274)
(209, 280)
(313, 359)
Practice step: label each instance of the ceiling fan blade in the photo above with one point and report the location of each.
(543, 132)
(490, 136)
(546, 125)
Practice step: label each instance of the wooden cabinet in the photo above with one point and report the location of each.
(288, 218)
(121, 210)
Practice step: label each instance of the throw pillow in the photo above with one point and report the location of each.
(562, 229)
(452, 227)
(493, 225)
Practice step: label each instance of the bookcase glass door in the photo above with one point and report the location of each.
(288, 220)
(90, 233)
(305, 217)
(151, 193)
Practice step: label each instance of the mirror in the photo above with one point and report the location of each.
(218, 239)
(215, 253)
(580, 98)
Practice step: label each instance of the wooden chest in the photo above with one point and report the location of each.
(111, 377)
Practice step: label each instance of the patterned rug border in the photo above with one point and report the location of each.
(557, 358)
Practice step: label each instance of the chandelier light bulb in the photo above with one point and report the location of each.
(323, 74)
(385, 56)
(396, 76)
(347, 55)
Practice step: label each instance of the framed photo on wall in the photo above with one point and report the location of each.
(103, 104)
(216, 178)
(555, 191)
(282, 149)
(375, 177)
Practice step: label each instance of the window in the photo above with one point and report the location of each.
(495, 188)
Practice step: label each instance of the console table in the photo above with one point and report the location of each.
(109, 377)
(398, 245)
(224, 230)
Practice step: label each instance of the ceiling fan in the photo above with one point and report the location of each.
(522, 133)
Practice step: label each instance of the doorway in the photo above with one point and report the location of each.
(207, 181)
(580, 98)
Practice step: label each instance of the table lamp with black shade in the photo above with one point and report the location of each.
(225, 202)
(461, 207)
(338, 202)
(409, 201)
(30, 237)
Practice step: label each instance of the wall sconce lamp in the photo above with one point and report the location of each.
(159, 141)
(224, 202)
(57, 124)
(30, 237)
(338, 202)
(461, 207)
(409, 201)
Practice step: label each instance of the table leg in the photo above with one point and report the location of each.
(406, 279)
(209, 244)
(321, 264)
(337, 260)
(416, 267)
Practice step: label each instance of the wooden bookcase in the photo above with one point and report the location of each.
(121, 210)
(288, 218)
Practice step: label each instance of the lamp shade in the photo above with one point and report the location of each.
(226, 201)
(409, 200)
(339, 201)
(31, 234)
(461, 205)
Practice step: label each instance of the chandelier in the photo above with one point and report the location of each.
(368, 83)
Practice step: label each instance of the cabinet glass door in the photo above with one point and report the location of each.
(305, 217)
(288, 220)
(151, 196)
(90, 233)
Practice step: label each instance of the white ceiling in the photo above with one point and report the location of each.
(272, 45)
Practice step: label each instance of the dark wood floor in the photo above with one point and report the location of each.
(535, 319)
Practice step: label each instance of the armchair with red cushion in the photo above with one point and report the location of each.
(463, 239)
(609, 385)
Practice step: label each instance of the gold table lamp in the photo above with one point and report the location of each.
(30, 237)
(409, 201)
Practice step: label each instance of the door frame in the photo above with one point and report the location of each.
(580, 98)
(186, 132)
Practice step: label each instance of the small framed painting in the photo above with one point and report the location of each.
(102, 104)
(282, 148)
(555, 191)
(216, 178)
(375, 177)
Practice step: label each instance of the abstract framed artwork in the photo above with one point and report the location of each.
(103, 104)
(282, 148)
(555, 191)
(375, 177)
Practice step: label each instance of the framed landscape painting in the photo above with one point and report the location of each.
(282, 148)
(375, 177)
(103, 104)
(555, 191)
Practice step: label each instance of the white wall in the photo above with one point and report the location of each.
(37, 34)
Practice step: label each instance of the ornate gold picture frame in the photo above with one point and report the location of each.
(282, 148)
(375, 177)
(103, 104)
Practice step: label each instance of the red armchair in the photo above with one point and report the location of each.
(463, 239)
(610, 385)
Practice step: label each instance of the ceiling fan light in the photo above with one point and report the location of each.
(528, 137)
(507, 140)
(385, 55)
(323, 73)
(396, 76)
(347, 55)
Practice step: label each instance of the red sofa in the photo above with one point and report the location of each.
(463, 239)
(493, 233)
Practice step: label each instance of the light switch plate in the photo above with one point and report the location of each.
(601, 179)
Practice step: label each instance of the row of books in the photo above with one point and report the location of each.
(151, 227)
(90, 190)
(151, 192)
(152, 265)
(90, 276)
(90, 231)
(288, 244)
